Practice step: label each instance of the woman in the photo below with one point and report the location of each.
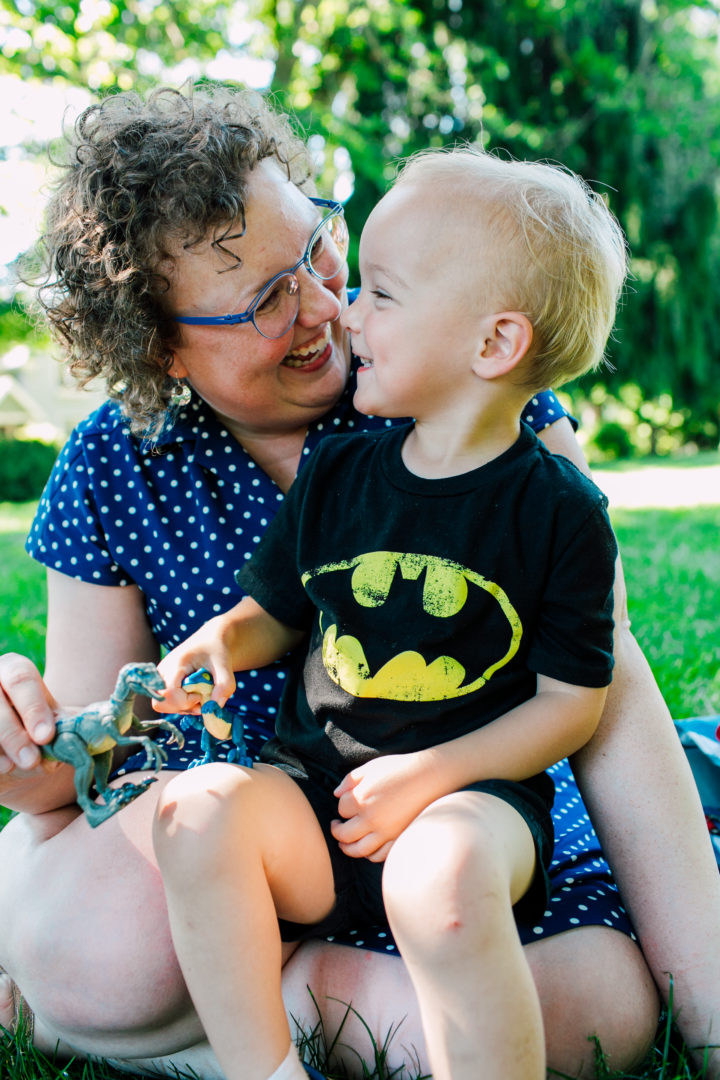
(173, 213)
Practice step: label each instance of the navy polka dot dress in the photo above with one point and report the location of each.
(177, 518)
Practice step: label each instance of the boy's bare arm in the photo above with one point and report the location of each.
(244, 637)
(380, 799)
(557, 721)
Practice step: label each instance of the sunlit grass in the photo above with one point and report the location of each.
(22, 586)
(672, 564)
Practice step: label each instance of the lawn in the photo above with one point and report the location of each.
(672, 566)
(22, 586)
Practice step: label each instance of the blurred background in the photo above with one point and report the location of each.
(625, 92)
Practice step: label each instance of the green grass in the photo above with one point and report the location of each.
(672, 565)
(22, 586)
(667, 1060)
(680, 461)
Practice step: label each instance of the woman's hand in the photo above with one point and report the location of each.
(27, 711)
(378, 801)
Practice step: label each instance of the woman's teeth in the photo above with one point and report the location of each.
(306, 354)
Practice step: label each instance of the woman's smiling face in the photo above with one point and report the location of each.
(260, 386)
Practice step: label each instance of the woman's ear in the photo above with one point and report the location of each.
(505, 340)
(177, 369)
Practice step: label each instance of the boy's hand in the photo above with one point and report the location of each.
(378, 800)
(206, 648)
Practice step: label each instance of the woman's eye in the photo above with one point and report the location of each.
(271, 299)
(318, 251)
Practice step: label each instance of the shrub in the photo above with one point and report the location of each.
(613, 441)
(25, 465)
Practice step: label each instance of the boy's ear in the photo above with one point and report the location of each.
(506, 338)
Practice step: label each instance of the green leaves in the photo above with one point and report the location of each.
(626, 93)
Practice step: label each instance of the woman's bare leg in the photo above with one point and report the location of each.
(638, 787)
(613, 998)
(84, 932)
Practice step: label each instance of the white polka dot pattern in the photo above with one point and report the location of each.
(177, 519)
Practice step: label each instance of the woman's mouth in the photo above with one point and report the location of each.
(312, 355)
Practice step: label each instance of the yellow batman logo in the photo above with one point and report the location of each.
(407, 676)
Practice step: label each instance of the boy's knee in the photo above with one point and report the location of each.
(451, 842)
(441, 876)
(195, 809)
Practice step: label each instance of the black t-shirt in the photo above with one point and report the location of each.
(431, 604)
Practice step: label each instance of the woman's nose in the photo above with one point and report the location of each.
(318, 301)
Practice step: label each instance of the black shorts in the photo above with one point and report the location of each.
(358, 882)
(583, 891)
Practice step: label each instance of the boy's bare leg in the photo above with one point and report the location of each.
(450, 881)
(236, 847)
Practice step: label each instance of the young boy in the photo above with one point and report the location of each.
(455, 580)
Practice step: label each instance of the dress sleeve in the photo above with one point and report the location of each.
(545, 409)
(573, 639)
(272, 575)
(67, 534)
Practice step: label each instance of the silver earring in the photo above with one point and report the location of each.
(180, 394)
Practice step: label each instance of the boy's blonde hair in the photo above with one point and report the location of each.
(556, 252)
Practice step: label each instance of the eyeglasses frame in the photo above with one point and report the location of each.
(248, 315)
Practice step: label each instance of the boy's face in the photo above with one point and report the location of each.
(419, 319)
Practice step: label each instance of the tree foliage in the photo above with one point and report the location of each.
(624, 92)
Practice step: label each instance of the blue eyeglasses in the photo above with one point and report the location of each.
(275, 308)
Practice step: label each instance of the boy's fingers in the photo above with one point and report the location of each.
(348, 832)
(348, 783)
(348, 805)
(173, 675)
(364, 848)
(382, 853)
(225, 685)
(177, 700)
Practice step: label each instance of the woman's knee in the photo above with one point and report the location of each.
(595, 990)
(82, 910)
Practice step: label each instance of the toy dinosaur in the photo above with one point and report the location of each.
(214, 721)
(86, 740)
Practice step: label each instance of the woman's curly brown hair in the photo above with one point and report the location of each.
(138, 173)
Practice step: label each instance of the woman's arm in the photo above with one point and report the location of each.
(638, 787)
(92, 631)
